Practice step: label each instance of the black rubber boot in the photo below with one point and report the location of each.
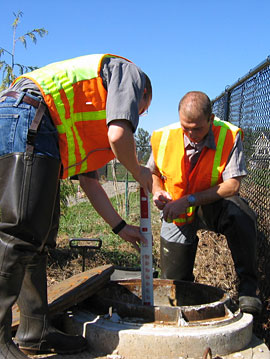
(27, 198)
(177, 260)
(236, 220)
(10, 284)
(28, 190)
(35, 334)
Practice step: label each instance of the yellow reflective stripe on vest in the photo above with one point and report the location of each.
(84, 116)
(163, 143)
(84, 72)
(183, 220)
(190, 209)
(191, 212)
(218, 154)
(162, 147)
(71, 170)
(67, 126)
(221, 139)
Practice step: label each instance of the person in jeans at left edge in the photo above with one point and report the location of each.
(197, 166)
(66, 119)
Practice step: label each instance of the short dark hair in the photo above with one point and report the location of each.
(199, 100)
(148, 86)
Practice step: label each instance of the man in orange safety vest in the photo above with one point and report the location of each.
(197, 165)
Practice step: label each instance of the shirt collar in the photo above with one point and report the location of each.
(208, 141)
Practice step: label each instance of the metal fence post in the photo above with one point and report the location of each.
(227, 105)
(126, 196)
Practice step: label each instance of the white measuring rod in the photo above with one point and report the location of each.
(146, 250)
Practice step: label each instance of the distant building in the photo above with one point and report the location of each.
(261, 155)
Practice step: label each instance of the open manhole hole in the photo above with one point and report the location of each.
(186, 319)
(176, 303)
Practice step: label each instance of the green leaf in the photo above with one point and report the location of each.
(22, 40)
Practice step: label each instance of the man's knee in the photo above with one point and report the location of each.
(241, 206)
(226, 212)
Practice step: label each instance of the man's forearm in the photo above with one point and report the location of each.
(225, 189)
(123, 145)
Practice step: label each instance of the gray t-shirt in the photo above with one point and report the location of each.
(125, 83)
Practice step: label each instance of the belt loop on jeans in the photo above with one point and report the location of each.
(19, 99)
(32, 131)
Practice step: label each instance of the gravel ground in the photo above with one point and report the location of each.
(256, 350)
(83, 355)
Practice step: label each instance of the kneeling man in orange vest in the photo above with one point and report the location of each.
(197, 165)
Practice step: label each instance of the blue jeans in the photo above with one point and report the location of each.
(28, 189)
(15, 119)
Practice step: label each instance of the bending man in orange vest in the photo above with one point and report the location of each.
(67, 118)
(197, 166)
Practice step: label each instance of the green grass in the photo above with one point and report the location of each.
(82, 221)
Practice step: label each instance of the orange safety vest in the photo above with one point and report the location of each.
(76, 98)
(169, 155)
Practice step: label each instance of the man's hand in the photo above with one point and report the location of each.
(160, 199)
(133, 235)
(174, 208)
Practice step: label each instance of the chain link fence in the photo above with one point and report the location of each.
(247, 105)
(115, 171)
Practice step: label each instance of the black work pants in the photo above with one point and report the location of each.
(233, 218)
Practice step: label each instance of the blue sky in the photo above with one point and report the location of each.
(182, 45)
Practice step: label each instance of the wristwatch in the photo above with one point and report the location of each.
(191, 199)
